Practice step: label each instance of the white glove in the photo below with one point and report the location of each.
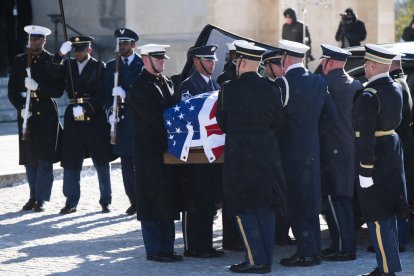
(112, 119)
(77, 111)
(31, 84)
(365, 182)
(65, 48)
(118, 91)
(23, 112)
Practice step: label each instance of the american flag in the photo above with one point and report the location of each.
(192, 123)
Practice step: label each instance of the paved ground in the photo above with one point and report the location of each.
(91, 243)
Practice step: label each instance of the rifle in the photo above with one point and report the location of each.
(25, 132)
(115, 101)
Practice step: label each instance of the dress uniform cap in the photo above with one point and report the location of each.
(155, 50)
(126, 34)
(272, 56)
(207, 52)
(233, 48)
(380, 54)
(249, 51)
(333, 52)
(293, 48)
(81, 43)
(37, 31)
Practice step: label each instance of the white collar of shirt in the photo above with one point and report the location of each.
(129, 59)
(380, 75)
(271, 79)
(207, 79)
(296, 65)
(82, 64)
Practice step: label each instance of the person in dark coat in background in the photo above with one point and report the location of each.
(405, 132)
(86, 131)
(408, 33)
(129, 69)
(379, 157)
(14, 16)
(249, 111)
(157, 208)
(337, 158)
(292, 30)
(351, 30)
(201, 183)
(41, 148)
(299, 142)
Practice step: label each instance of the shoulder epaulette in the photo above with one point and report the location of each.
(371, 90)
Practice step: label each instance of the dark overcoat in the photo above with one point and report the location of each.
(156, 194)
(378, 108)
(249, 111)
(43, 126)
(309, 113)
(127, 76)
(405, 132)
(89, 137)
(337, 145)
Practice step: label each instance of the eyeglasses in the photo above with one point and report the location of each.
(235, 61)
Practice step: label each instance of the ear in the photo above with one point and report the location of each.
(90, 50)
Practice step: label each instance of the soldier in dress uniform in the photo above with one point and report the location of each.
(273, 70)
(379, 160)
(157, 208)
(229, 70)
(86, 131)
(273, 67)
(249, 110)
(201, 183)
(309, 112)
(337, 157)
(129, 69)
(41, 148)
(405, 132)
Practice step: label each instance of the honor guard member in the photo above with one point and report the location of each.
(273, 68)
(249, 110)
(229, 70)
(405, 132)
(40, 148)
(157, 208)
(337, 157)
(309, 112)
(231, 237)
(129, 69)
(86, 131)
(201, 183)
(379, 157)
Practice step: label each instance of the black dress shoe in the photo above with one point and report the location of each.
(341, 257)
(132, 210)
(29, 205)
(210, 253)
(376, 272)
(67, 210)
(160, 257)
(301, 261)
(39, 206)
(105, 208)
(248, 268)
(174, 256)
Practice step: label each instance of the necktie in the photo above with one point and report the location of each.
(210, 85)
(125, 61)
